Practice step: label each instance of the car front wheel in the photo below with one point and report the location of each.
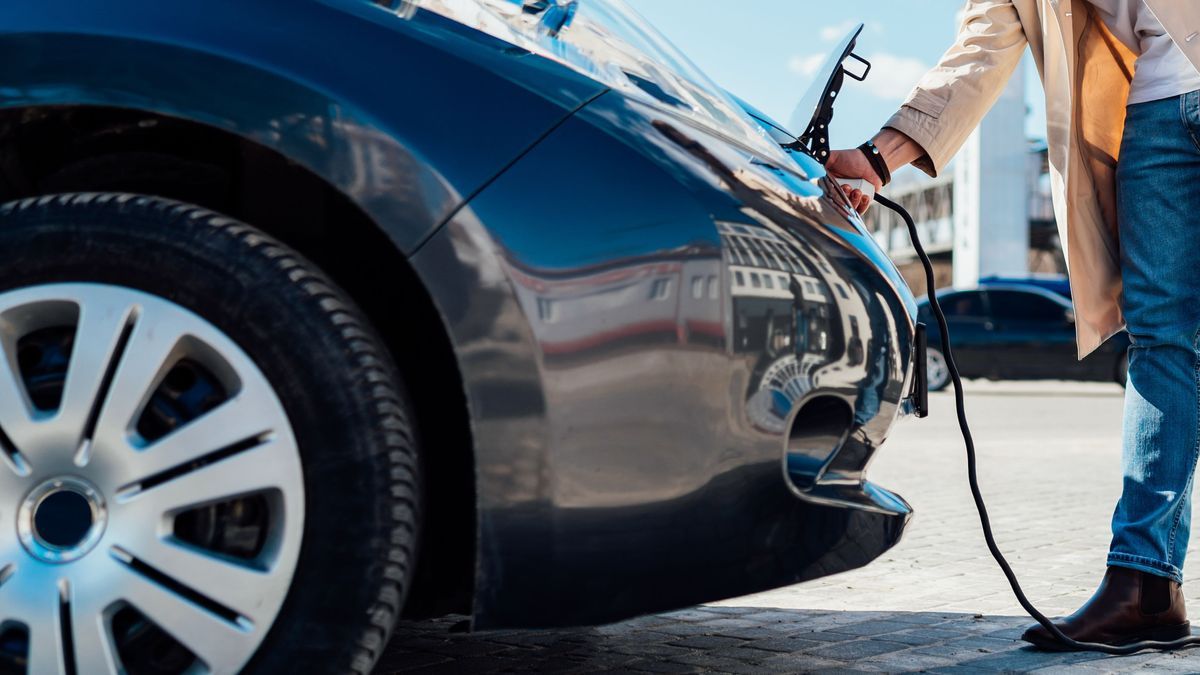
(206, 460)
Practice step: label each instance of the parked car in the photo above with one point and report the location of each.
(1016, 332)
(1055, 283)
(314, 312)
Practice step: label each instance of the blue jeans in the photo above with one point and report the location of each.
(1159, 214)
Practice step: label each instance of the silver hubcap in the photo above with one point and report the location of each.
(156, 481)
(935, 368)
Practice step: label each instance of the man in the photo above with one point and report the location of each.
(1123, 116)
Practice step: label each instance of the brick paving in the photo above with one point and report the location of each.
(1049, 457)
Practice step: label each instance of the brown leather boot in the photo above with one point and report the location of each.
(1129, 606)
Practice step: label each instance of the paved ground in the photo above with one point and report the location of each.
(1049, 457)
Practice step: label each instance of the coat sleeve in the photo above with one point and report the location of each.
(950, 100)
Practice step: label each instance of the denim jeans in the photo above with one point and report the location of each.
(1159, 214)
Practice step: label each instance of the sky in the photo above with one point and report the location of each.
(766, 52)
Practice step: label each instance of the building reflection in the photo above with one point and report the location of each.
(785, 312)
(797, 323)
(673, 297)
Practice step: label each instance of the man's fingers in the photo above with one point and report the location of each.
(859, 200)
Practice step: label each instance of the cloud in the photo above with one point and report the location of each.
(892, 76)
(838, 31)
(806, 65)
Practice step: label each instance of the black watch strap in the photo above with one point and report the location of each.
(876, 159)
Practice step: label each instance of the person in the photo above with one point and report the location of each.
(1123, 129)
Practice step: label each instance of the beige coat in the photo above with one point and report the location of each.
(1086, 73)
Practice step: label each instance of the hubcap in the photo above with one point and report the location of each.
(151, 488)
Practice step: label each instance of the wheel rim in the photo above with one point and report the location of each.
(150, 487)
(935, 368)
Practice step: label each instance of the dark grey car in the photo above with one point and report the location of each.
(318, 311)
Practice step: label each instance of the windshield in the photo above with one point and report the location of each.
(611, 43)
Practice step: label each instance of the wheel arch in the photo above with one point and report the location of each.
(47, 149)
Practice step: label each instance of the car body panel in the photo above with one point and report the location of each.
(630, 424)
(348, 115)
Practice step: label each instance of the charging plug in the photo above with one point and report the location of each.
(861, 184)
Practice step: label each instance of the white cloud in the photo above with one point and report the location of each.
(892, 76)
(806, 65)
(838, 31)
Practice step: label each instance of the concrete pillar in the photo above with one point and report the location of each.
(991, 220)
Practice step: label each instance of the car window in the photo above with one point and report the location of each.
(963, 305)
(1022, 306)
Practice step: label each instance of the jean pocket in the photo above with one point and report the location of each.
(1189, 113)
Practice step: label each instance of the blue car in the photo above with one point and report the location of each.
(1055, 283)
(318, 312)
(1016, 330)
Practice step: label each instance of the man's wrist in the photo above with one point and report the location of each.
(896, 148)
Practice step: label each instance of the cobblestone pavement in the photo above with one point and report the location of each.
(1049, 461)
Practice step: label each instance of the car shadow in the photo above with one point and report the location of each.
(750, 640)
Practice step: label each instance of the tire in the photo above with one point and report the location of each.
(309, 557)
(936, 369)
(1122, 370)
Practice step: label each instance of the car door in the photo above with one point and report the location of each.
(1033, 335)
(970, 327)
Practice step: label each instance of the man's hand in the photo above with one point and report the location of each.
(896, 149)
(854, 164)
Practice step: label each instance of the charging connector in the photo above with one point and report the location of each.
(860, 184)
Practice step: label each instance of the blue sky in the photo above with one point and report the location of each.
(765, 51)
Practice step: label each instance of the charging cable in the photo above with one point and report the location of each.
(972, 474)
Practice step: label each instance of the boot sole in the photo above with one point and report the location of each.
(1158, 634)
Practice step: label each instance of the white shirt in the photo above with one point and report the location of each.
(1161, 71)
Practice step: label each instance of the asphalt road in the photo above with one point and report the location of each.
(1049, 458)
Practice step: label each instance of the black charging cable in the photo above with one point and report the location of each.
(972, 473)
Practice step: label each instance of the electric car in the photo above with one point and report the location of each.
(1016, 331)
(314, 312)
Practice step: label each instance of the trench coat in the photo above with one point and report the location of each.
(1086, 73)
